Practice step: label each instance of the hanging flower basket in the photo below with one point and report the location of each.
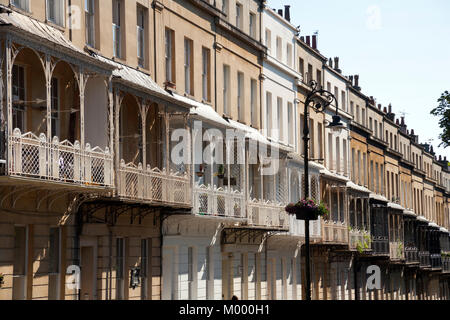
(307, 210)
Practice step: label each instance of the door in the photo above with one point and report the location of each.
(87, 273)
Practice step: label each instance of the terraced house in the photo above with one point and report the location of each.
(152, 146)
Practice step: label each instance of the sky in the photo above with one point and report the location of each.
(400, 49)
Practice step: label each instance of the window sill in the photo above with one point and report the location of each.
(120, 60)
(56, 26)
(143, 70)
(21, 11)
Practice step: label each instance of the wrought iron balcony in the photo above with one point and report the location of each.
(360, 240)
(411, 255)
(267, 214)
(396, 250)
(424, 259)
(335, 232)
(153, 185)
(380, 246)
(224, 202)
(446, 264)
(436, 261)
(34, 157)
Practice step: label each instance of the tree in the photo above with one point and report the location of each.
(443, 111)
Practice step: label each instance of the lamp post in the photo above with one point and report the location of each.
(320, 99)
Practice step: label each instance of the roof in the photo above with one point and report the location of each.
(354, 186)
(407, 212)
(395, 206)
(133, 76)
(328, 174)
(207, 113)
(37, 28)
(378, 197)
(423, 219)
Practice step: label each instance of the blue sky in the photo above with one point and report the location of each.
(400, 49)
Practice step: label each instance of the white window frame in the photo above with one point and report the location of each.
(89, 14)
(240, 96)
(58, 12)
(140, 33)
(226, 89)
(168, 54)
(116, 26)
(21, 4)
(20, 110)
(187, 65)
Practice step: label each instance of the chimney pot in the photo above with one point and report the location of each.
(445, 159)
(330, 62)
(379, 106)
(314, 41)
(397, 122)
(390, 108)
(280, 12)
(336, 63)
(287, 12)
(412, 132)
(357, 82)
(403, 121)
(308, 41)
(385, 110)
(351, 79)
(302, 38)
(440, 158)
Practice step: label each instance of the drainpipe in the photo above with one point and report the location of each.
(77, 247)
(70, 20)
(155, 74)
(355, 276)
(110, 263)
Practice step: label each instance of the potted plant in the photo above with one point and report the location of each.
(307, 209)
(221, 171)
(201, 171)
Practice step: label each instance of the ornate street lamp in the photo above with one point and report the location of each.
(319, 99)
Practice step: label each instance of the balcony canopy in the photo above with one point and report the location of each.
(395, 206)
(355, 187)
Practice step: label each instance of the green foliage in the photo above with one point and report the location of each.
(443, 111)
(359, 247)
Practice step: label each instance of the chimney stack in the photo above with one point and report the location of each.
(357, 82)
(336, 64)
(287, 13)
(308, 41)
(314, 42)
(280, 12)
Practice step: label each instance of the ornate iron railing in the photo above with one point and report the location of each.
(153, 185)
(360, 240)
(424, 259)
(411, 255)
(34, 157)
(396, 250)
(267, 214)
(446, 264)
(436, 261)
(334, 232)
(380, 246)
(213, 201)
